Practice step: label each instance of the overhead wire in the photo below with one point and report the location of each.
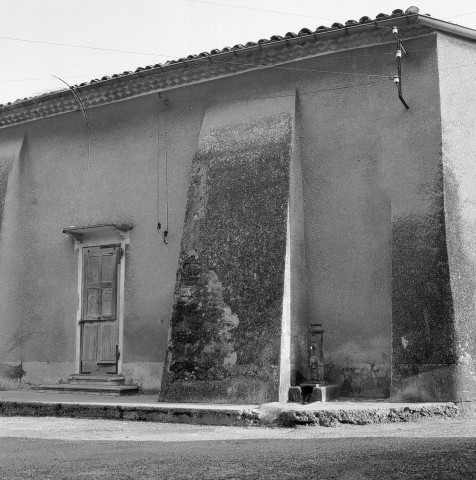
(83, 109)
(334, 58)
(259, 9)
(462, 15)
(165, 232)
(86, 47)
(155, 54)
(285, 95)
(159, 226)
(299, 69)
(296, 14)
(221, 61)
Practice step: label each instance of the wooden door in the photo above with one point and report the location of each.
(99, 331)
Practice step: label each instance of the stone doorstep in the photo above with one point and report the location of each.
(100, 379)
(96, 388)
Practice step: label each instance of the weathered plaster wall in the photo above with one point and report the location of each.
(10, 271)
(60, 187)
(371, 168)
(372, 189)
(226, 324)
(373, 214)
(456, 60)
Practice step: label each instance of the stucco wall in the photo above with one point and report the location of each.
(372, 193)
(456, 60)
(369, 166)
(120, 182)
(11, 266)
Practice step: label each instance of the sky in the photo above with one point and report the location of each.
(103, 37)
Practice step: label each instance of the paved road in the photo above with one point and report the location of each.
(100, 449)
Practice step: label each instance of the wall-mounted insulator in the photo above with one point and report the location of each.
(396, 80)
(395, 30)
(399, 54)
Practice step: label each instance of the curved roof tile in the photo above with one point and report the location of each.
(275, 38)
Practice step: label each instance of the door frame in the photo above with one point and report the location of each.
(107, 235)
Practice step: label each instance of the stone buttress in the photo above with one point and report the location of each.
(233, 314)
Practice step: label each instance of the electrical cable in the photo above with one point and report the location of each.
(86, 47)
(159, 225)
(322, 58)
(462, 15)
(13, 80)
(298, 69)
(166, 231)
(312, 92)
(260, 10)
(297, 14)
(81, 105)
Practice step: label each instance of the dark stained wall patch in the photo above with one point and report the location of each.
(226, 323)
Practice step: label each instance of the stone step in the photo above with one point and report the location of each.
(100, 379)
(91, 389)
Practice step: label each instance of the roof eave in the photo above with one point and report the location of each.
(330, 34)
(447, 27)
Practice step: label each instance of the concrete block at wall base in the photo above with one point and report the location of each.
(295, 395)
(147, 375)
(325, 393)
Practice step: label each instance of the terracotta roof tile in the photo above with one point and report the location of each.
(275, 38)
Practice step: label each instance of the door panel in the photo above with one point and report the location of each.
(106, 301)
(107, 268)
(89, 340)
(107, 343)
(92, 269)
(94, 306)
(99, 334)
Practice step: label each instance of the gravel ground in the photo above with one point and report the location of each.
(73, 448)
